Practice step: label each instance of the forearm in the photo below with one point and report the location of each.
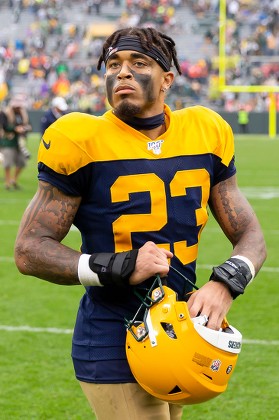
(238, 221)
(49, 260)
(240, 224)
(39, 250)
(251, 244)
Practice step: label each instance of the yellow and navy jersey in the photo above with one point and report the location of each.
(135, 189)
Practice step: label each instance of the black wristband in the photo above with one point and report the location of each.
(235, 273)
(114, 268)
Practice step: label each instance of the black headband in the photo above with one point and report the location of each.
(133, 43)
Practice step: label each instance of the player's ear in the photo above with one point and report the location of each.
(168, 80)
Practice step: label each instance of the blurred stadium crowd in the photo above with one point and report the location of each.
(55, 54)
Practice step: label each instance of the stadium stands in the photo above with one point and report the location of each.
(50, 47)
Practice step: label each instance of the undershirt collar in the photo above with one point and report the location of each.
(146, 123)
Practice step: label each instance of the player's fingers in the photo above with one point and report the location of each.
(155, 250)
(162, 269)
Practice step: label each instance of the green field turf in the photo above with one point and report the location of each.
(36, 374)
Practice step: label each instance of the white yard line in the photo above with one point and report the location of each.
(27, 328)
(261, 193)
(218, 230)
(16, 223)
(35, 329)
(256, 193)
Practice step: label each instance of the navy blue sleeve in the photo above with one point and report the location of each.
(75, 184)
(223, 172)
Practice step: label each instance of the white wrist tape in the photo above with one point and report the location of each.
(249, 263)
(86, 276)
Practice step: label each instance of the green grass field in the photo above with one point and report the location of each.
(36, 375)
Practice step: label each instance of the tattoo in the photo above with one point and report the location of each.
(238, 221)
(53, 211)
(45, 224)
(223, 191)
(236, 209)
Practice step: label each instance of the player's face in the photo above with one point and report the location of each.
(134, 82)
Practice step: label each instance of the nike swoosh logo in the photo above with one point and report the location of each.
(47, 145)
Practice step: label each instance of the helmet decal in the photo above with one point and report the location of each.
(215, 366)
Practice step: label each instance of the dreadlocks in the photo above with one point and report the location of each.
(148, 37)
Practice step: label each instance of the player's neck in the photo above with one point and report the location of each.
(152, 127)
(155, 132)
(147, 123)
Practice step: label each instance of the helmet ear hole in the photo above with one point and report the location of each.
(169, 330)
(175, 390)
(207, 376)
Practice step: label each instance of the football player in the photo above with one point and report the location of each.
(136, 182)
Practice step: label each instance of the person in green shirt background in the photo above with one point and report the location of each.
(14, 127)
(243, 120)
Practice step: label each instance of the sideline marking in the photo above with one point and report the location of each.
(27, 328)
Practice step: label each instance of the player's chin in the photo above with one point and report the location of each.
(127, 107)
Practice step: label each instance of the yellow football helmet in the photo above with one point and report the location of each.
(176, 358)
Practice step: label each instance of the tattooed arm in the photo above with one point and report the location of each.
(239, 223)
(45, 223)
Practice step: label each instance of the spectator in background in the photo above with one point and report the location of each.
(18, 106)
(243, 120)
(58, 108)
(2, 118)
(13, 140)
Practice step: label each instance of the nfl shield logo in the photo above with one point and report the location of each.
(155, 146)
(215, 366)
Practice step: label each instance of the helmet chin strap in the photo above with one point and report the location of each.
(185, 278)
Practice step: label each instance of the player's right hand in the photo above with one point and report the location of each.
(151, 260)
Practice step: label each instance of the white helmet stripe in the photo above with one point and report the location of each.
(222, 340)
(151, 332)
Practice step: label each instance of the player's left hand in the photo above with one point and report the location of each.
(213, 300)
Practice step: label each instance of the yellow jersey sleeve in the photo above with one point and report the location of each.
(63, 146)
(210, 133)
